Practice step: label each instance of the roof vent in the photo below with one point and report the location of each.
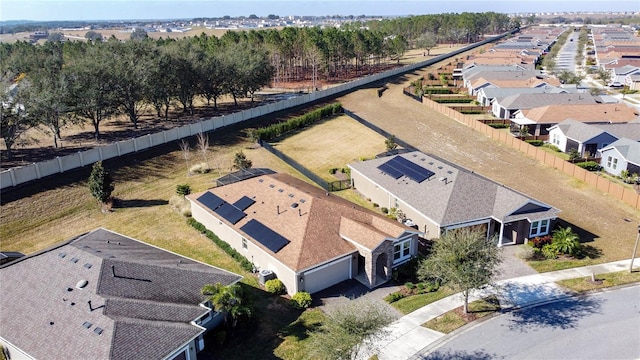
(88, 266)
(294, 205)
(87, 324)
(98, 330)
(62, 255)
(82, 283)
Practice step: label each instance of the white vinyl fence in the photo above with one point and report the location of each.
(23, 174)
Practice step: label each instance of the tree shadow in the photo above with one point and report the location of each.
(460, 355)
(137, 203)
(563, 314)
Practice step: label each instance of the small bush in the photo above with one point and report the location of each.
(535, 142)
(201, 168)
(539, 242)
(333, 171)
(499, 126)
(552, 147)
(589, 165)
(393, 297)
(384, 210)
(301, 300)
(471, 112)
(549, 251)
(410, 285)
(182, 205)
(243, 261)
(183, 189)
(275, 286)
(420, 287)
(375, 205)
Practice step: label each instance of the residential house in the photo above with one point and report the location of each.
(586, 139)
(538, 120)
(505, 108)
(486, 95)
(103, 295)
(309, 238)
(623, 154)
(438, 196)
(619, 74)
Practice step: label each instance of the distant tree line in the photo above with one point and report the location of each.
(59, 83)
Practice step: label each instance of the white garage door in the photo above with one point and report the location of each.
(327, 275)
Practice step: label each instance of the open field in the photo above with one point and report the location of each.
(330, 144)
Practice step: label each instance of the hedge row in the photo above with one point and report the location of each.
(436, 91)
(499, 126)
(243, 261)
(273, 131)
(454, 101)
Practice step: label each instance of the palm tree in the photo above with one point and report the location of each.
(565, 241)
(229, 301)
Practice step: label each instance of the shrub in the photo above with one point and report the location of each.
(375, 205)
(499, 126)
(346, 171)
(420, 287)
(535, 142)
(384, 210)
(275, 286)
(552, 147)
(549, 251)
(333, 171)
(276, 130)
(393, 297)
(301, 300)
(182, 205)
(243, 261)
(589, 165)
(201, 168)
(539, 242)
(183, 189)
(565, 241)
(471, 112)
(410, 285)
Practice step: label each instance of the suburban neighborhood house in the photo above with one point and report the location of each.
(588, 139)
(438, 196)
(103, 295)
(623, 154)
(309, 238)
(538, 120)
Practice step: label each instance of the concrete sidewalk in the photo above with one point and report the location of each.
(406, 337)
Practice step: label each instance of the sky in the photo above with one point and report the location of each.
(176, 9)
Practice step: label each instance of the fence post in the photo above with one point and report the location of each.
(13, 177)
(81, 158)
(59, 163)
(37, 170)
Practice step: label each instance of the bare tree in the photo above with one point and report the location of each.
(203, 146)
(185, 147)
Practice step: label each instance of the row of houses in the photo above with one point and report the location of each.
(567, 116)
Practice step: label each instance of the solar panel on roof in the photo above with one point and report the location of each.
(264, 235)
(399, 166)
(244, 202)
(230, 213)
(210, 200)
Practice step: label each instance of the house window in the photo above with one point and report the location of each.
(402, 251)
(609, 161)
(615, 164)
(556, 139)
(244, 244)
(540, 227)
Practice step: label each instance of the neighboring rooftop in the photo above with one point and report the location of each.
(103, 296)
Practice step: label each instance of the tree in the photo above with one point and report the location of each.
(463, 258)
(426, 41)
(185, 147)
(139, 34)
(565, 241)
(241, 162)
(14, 119)
(203, 146)
(92, 35)
(228, 300)
(390, 143)
(100, 183)
(348, 325)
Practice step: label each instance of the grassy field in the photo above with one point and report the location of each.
(330, 144)
(414, 302)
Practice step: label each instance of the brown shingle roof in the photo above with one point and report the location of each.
(610, 113)
(313, 227)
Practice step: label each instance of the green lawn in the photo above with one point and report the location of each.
(414, 302)
(602, 281)
(456, 318)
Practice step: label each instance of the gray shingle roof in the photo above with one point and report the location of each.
(628, 148)
(578, 131)
(530, 101)
(44, 312)
(463, 197)
(629, 130)
(491, 93)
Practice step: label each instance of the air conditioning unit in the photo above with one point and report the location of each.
(265, 275)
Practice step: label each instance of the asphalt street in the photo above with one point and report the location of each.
(604, 325)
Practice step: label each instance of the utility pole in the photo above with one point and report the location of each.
(635, 248)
